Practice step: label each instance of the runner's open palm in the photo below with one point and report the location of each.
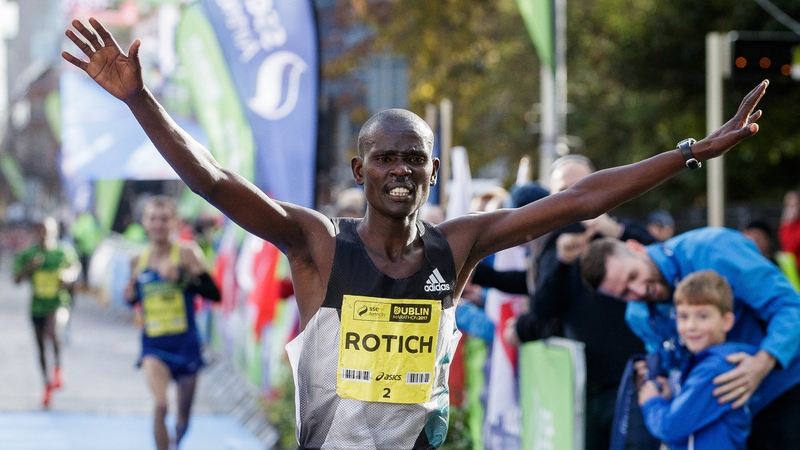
(119, 74)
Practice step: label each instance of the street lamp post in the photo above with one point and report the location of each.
(717, 67)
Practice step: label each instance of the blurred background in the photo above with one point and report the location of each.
(279, 89)
(636, 85)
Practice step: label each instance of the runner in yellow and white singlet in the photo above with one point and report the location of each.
(164, 280)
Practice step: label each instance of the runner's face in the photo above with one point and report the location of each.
(158, 223)
(397, 169)
(47, 232)
(632, 276)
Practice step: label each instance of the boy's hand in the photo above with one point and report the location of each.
(640, 373)
(650, 389)
(510, 336)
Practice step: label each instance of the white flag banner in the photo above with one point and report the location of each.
(460, 188)
(502, 429)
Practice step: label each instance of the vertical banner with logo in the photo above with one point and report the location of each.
(271, 49)
(552, 394)
(217, 107)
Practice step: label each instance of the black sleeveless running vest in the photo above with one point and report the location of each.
(326, 420)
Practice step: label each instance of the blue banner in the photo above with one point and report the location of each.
(271, 49)
(101, 140)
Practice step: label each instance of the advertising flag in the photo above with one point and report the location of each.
(552, 394)
(271, 50)
(215, 101)
(538, 18)
(101, 139)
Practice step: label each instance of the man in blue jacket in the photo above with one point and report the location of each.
(767, 310)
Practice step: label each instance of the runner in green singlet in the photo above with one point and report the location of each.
(52, 267)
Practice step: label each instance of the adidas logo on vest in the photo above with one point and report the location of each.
(436, 283)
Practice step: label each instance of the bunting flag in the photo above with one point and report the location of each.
(271, 50)
(268, 272)
(261, 272)
(13, 175)
(538, 18)
(502, 426)
(224, 272)
(457, 380)
(460, 187)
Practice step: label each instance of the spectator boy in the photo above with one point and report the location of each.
(693, 418)
(766, 306)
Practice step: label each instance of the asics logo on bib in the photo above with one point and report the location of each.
(387, 377)
(436, 282)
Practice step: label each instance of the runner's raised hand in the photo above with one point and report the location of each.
(117, 73)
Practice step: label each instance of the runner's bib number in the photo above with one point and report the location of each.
(164, 311)
(45, 283)
(387, 349)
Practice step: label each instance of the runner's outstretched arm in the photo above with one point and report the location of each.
(121, 76)
(598, 192)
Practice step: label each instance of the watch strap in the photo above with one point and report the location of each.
(685, 147)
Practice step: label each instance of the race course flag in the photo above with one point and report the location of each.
(553, 394)
(215, 101)
(502, 424)
(271, 50)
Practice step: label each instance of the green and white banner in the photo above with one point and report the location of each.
(538, 18)
(13, 175)
(216, 102)
(553, 394)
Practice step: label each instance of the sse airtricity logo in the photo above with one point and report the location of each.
(436, 283)
(274, 98)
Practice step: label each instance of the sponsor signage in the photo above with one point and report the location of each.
(271, 49)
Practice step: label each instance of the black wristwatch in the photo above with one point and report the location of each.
(686, 150)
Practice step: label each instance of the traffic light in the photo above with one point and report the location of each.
(765, 54)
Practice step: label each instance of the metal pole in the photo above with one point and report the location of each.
(554, 94)
(717, 55)
(549, 131)
(446, 118)
(560, 11)
(9, 26)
